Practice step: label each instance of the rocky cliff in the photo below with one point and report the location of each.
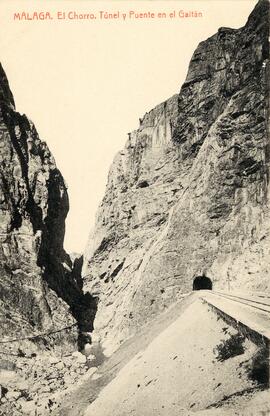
(189, 192)
(39, 289)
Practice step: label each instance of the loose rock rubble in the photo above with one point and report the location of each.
(38, 382)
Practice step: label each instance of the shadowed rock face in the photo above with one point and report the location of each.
(38, 289)
(189, 192)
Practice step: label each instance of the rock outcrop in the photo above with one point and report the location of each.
(39, 292)
(189, 192)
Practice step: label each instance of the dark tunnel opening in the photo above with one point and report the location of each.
(202, 283)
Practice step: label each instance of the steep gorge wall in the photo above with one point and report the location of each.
(189, 192)
(38, 290)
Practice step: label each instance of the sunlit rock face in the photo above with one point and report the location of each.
(38, 292)
(189, 192)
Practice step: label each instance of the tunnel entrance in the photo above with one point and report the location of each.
(202, 283)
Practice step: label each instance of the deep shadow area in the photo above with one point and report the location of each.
(202, 283)
(259, 371)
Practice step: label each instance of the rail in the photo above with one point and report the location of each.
(249, 310)
(245, 300)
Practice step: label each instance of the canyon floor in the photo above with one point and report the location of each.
(187, 361)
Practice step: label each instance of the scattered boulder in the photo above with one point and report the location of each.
(80, 358)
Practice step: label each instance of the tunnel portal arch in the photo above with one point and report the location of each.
(202, 283)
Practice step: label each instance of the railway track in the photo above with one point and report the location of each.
(249, 300)
(248, 309)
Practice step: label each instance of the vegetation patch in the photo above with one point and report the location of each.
(230, 348)
(258, 370)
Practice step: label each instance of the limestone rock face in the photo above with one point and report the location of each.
(38, 291)
(189, 192)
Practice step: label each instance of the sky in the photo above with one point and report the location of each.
(86, 82)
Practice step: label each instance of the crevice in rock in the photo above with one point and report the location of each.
(67, 284)
(117, 269)
(16, 218)
(142, 184)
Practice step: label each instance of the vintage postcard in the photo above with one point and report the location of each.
(135, 221)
